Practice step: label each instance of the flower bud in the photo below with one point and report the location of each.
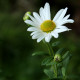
(57, 58)
(26, 16)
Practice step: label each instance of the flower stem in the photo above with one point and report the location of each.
(50, 49)
(51, 53)
(55, 69)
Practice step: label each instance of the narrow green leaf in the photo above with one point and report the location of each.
(46, 60)
(49, 73)
(65, 55)
(39, 53)
(56, 43)
(63, 71)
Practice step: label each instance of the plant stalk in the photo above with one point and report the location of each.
(50, 49)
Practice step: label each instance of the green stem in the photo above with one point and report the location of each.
(51, 53)
(55, 69)
(49, 48)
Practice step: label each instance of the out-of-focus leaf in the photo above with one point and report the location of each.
(46, 60)
(49, 73)
(66, 61)
(60, 51)
(50, 63)
(65, 55)
(65, 64)
(39, 53)
(56, 43)
(59, 64)
(63, 71)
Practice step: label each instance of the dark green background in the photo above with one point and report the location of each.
(16, 45)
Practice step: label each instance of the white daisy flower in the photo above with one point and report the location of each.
(42, 27)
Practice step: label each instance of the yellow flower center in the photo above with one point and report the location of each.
(48, 26)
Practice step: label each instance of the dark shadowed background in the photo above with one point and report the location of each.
(16, 45)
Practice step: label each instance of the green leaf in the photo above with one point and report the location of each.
(49, 73)
(50, 63)
(63, 71)
(66, 62)
(46, 60)
(65, 55)
(39, 53)
(66, 59)
(56, 43)
(60, 51)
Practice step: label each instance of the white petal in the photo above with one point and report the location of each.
(60, 23)
(30, 22)
(62, 29)
(48, 37)
(65, 18)
(36, 36)
(40, 38)
(32, 29)
(58, 14)
(63, 14)
(37, 17)
(66, 21)
(42, 14)
(47, 11)
(55, 34)
(35, 32)
(69, 21)
(34, 20)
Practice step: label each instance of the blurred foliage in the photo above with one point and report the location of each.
(16, 45)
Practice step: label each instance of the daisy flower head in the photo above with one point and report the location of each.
(43, 27)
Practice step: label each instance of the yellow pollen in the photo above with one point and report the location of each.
(48, 26)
